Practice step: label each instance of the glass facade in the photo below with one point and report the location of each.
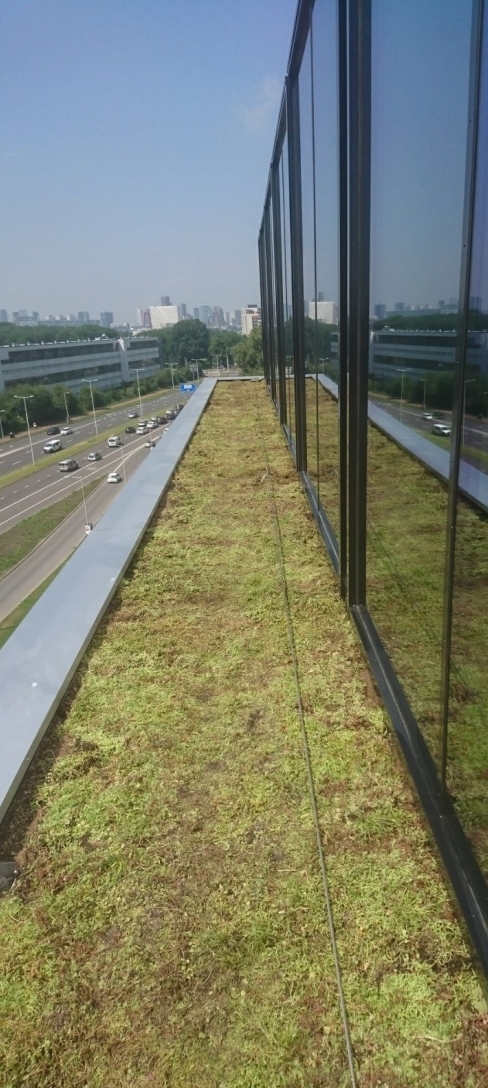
(374, 276)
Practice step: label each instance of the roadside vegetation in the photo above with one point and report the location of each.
(11, 622)
(19, 541)
(168, 927)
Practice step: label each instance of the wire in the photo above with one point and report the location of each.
(306, 752)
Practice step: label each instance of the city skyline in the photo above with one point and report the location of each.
(112, 180)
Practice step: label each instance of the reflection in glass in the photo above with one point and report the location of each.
(307, 166)
(420, 74)
(467, 766)
(287, 306)
(325, 311)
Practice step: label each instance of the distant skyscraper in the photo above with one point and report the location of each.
(320, 296)
(161, 316)
(326, 311)
(218, 317)
(399, 307)
(3, 315)
(165, 300)
(250, 318)
(475, 302)
(196, 313)
(183, 309)
(106, 319)
(380, 311)
(205, 312)
(83, 317)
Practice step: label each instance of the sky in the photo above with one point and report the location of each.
(135, 147)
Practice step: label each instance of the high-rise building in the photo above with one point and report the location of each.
(196, 313)
(106, 319)
(250, 318)
(380, 311)
(161, 316)
(205, 312)
(183, 309)
(83, 317)
(326, 311)
(400, 306)
(165, 300)
(3, 315)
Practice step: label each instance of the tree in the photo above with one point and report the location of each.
(223, 342)
(248, 353)
(189, 340)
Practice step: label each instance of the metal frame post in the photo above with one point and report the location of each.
(296, 250)
(278, 279)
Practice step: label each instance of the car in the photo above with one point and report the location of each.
(438, 415)
(171, 413)
(114, 478)
(426, 415)
(141, 430)
(114, 441)
(160, 420)
(66, 430)
(130, 430)
(441, 429)
(53, 430)
(53, 446)
(69, 465)
(150, 443)
(94, 456)
(133, 414)
(151, 425)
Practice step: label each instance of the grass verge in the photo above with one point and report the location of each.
(19, 541)
(9, 624)
(168, 928)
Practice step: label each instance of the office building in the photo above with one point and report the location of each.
(161, 317)
(165, 300)
(3, 315)
(322, 311)
(111, 362)
(380, 311)
(106, 319)
(250, 318)
(83, 317)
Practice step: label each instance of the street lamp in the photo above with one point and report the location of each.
(402, 370)
(139, 390)
(424, 383)
(467, 381)
(25, 399)
(90, 382)
(3, 412)
(65, 394)
(173, 383)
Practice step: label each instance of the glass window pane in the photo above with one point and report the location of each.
(287, 304)
(467, 766)
(420, 76)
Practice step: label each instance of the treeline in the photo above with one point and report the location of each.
(50, 334)
(49, 405)
(191, 340)
(478, 322)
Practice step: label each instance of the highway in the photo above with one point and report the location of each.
(15, 452)
(475, 431)
(46, 558)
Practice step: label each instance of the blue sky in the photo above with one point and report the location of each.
(136, 137)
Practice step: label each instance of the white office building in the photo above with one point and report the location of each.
(250, 319)
(326, 311)
(110, 362)
(164, 316)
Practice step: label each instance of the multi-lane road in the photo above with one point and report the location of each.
(475, 431)
(15, 452)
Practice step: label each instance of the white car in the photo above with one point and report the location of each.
(151, 442)
(141, 430)
(133, 415)
(66, 430)
(114, 478)
(114, 441)
(441, 429)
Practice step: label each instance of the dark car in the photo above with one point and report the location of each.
(171, 414)
(438, 415)
(130, 430)
(53, 430)
(94, 456)
(161, 420)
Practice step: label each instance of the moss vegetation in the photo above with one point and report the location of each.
(168, 928)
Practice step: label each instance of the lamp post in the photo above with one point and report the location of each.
(139, 391)
(173, 384)
(91, 382)
(25, 399)
(424, 383)
(65, 394)
(467, 381)
(84, 496)
(401, 370)
(2, 413)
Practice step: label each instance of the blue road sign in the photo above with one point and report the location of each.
(187, 387)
